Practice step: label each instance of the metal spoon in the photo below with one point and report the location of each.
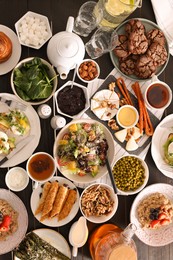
(74, 75)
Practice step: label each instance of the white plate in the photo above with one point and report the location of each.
(8, 65)
(14, 240)
(55, 239)
(35, 130)
(35, 197)
(158, 140)
(155, 237)
(102, 113)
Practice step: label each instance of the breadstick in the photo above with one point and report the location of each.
(59, 200)
(71, 198)
(48, 205)
(45, 191)
(124, 91)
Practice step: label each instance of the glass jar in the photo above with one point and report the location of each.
(115, 11)
(109, 242)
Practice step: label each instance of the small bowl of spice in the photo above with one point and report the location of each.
(131, 174)
(72, 101)
(41, 167)
(88, 70)
(16, 179)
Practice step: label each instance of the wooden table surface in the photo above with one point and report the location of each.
(57, 12)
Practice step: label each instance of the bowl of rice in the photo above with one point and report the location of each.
(33, 30)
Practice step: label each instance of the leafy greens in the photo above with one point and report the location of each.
(32, 80)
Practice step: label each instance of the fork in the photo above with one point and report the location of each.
(13, 104)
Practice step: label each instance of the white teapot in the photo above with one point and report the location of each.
(65, 50)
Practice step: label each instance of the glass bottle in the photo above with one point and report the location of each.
(115, 11)
(109, 242)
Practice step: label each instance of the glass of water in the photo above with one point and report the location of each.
(86, 21)
(103, 40)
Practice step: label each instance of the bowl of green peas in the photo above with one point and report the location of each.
(131, 174)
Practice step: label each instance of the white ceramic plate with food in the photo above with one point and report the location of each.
(15, 238)
(8, 65)
(35, 131)
(159, 138)
(55, 239)
(153, 237)
(76, 175)
(121, 31)
(35, 197)
(105, 104)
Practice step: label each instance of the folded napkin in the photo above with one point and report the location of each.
(164, 16)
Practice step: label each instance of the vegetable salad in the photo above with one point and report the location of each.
(83, 149)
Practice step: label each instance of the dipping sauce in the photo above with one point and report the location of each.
(157, 95)
(123, 252)
(71, 101)
(127, 116)
(41, 166)
(16, 179)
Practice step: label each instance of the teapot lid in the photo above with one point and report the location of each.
(67, 47)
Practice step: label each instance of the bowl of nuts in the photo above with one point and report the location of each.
(98, 203)
(88, 70)
(131, 174)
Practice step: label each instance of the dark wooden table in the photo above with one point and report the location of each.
(57, 12)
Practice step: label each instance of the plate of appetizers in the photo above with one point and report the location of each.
(55, 245)
(13, 221)
(55, 203)
(152, 213)
(17, 122)
(162, 146)
(11, 62)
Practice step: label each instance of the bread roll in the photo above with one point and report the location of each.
(5, 47)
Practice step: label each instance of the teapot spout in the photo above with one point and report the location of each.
(63, 72)
(128, 232)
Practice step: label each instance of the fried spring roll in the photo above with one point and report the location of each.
(59, 200)
(44, 217)
(71, 198)
(49, 201)
(45, 191)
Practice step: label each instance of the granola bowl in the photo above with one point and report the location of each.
(98, 203)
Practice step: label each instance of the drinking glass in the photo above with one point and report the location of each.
(103, 40)
(86, 21)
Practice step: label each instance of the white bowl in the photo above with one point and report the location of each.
(87, 103)
(51, 72)
(146, 177)
(97, 68)
(16, 179)
(88, 178)
(33, 30)
(105, 217)
(128, 116)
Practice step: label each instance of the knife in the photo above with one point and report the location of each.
(18, 147)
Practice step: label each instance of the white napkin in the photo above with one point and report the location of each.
(163, 10)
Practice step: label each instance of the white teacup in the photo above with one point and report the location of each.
(40, 167)
(158, 95)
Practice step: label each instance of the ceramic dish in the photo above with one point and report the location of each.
(105, 113)
(153, 237)
(101, 218)
(35, 131)
(8, 65)
(88, 70)
(55, 239)
(88, 178)
(35, 197)
(51, 73)
(159, 138)
(13, 240)
(16, 179)
(148, 25)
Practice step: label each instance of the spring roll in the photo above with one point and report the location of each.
(49, 201)
(59, 200)
(71, 198)
(44, 217)
(45, 191)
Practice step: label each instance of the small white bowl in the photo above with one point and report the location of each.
(33, 30)
(51, 73)
(127, 116)
(146, 176)
(87, 103)
(16, 179)
(101, 218)
(88, 70)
